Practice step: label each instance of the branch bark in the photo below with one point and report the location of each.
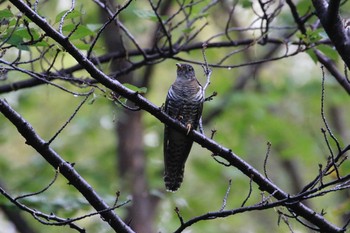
(333, 25)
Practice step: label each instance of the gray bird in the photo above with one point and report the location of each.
(184, 102)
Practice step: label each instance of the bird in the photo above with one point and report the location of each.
(184, 102)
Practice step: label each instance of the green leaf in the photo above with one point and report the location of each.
(122, 100)
(11, 22)
(304, 6)
(329, 52)
(5, 13)
(311, 36)
(246, 4)
(15, 40)
(188, 30)
(94, 26)
(23, 32)
(93, 99)
(147, 14)
(79, 32)
(140, 90)
(80, 45)
(21, 35)
(144, 14)
(71, 15)
(313, 56)
(41, 43)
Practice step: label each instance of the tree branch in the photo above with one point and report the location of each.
(333, 25)
(66, 169)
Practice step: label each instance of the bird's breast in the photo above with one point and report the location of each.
(189, 91)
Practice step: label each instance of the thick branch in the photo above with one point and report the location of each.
(332, 14)
(333, 25)
(66, 169)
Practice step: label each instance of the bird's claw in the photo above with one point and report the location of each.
(189, 127)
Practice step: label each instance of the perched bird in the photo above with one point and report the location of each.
(184, 102)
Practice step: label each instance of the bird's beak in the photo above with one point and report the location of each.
(178, 65)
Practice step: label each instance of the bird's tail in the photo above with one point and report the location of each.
(173, 177)
(176, 150)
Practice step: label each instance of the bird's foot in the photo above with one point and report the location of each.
(189, 127)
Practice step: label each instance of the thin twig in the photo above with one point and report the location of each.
(213, 132)
(40, 77)
(41, 191)
(220, 162)
(15, 27)
(71, 117)
(210, 98)
(320, 174)
(249, 192)
(65, 15)
(322, 112)
(266, 158)
(224, 201)
(229, 20)
(76, 26)
(163, 27)
(177, 211)
(207, 70)
(37, 214)
(124, 105)
(126, 31)
(327, 126)
(111, 19)
(54, 60)
(284, 217)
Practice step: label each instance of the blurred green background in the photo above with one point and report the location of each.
(280, 104)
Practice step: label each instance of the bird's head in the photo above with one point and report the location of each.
(185, 71)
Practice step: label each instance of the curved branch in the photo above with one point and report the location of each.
(66, 169)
